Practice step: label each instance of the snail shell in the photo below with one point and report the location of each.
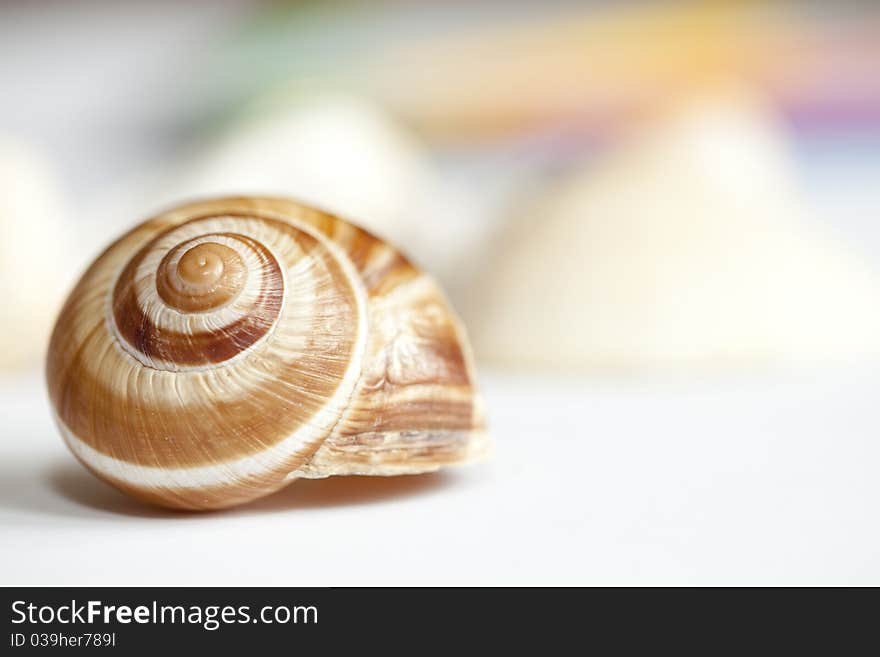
(224, 348)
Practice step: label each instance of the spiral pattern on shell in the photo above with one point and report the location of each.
(226, 347)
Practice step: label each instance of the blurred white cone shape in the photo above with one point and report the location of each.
(332, 151)
(688, 249)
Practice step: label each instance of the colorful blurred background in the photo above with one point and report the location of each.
(658, 220)
(601, 187)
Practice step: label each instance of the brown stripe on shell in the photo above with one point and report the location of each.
(163, 344)
(382, 276)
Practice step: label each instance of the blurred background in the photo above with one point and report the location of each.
(602, 188)
(658, 220)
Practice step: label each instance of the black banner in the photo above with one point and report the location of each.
(128, 621)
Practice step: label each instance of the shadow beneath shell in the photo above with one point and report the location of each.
(63, 490)
(349, 491)
(72, 482)
(70, 490)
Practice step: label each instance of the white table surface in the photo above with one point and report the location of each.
(753, 480)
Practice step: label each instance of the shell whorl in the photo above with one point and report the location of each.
(224, 347)
(204, 274)
(200, 294)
